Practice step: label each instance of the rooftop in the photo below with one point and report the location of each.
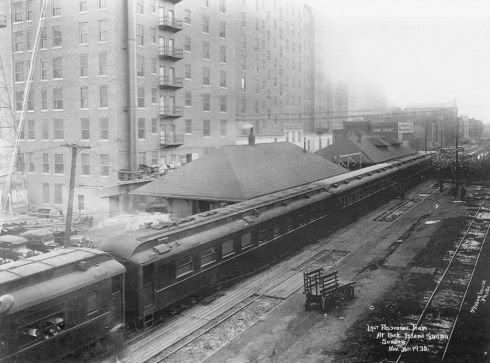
(241, 172)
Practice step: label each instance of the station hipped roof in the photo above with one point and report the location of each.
(241, 172)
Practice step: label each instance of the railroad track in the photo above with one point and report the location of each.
(432, 332)
(264, 292)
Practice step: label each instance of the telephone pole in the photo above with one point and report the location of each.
(69, 212)
(457, 161)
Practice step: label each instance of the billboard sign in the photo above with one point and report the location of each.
(405, 127)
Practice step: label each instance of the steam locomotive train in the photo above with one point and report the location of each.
(142, 274)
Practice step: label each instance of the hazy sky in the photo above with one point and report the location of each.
(418, 51)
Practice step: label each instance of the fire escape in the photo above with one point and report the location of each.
(169, 80)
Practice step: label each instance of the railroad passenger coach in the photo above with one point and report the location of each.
(204, 250)
(54, 304)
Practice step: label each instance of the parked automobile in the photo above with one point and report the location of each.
(45, 212)
(14, 247)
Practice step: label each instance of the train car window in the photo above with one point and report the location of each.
(227, 248)
(165, 274)
(208, 256)
(3, 344)
(265, 234)
(45, 328)
(116, 284)
(246, 240)
(276, 230)
(92, 302)
(29, 334)
(184, 266)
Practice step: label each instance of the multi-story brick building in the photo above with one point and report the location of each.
(153, 82)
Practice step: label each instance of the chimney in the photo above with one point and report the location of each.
(359, 137)
(251, 137)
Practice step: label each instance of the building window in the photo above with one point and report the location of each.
(206, 76)
(142, 158)
(187, 44)
(29, 40)
(18, 12)
(59, 166)
(19, 42)
(188, 98)
(81, 202)
(222, 54)
(222, 6)
(85, 124)
(154, 158)
(222, 103)
(28, 10)
(206, 128)
(223, 128)
(103, 63)
(187, 71)
(188, 126)
(46, 198)
(58, 67)
(104, 164)
(154, 126)
(205, 50)
(154, 65)
(141, 96)
(153, 35)
(141, 128)
(57, 36)
(205, 24)
(140, 7)
(187, 16)
(222, 79)
(83, 65)
(244, 105)
(83, 6)
(45, 163)
(101, 4)
(30, 100)
(19, 71)
(153, 96)
(56, 7)
(140, 34)
(85, 162)
(44, 39)
(104, 128)
(21, 166)
(44, 99)
(103, 30)
(243, 84)
(103, 102)
(30, 162)
(222, 29)
(45, 131)
(19, 99)
(58, 129)
(31, 130)
(153, 6)
(206, 102)
(44, 69)
(84, 97)
(58, 98)
(58, 193)
(83, 30)
(140, 65)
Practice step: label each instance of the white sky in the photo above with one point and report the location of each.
(425, 51)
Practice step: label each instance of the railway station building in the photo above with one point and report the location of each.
(236, 173)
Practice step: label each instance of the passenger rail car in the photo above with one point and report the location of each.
(54, 304)
(175, 262)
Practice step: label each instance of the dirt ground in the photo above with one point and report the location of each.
(379, 268)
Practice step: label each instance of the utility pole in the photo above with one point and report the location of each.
(69, 212)
(457, 162)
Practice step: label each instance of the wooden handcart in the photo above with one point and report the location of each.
(325, 289)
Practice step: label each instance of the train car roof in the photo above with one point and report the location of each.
(23, 296)
(44, 266)
(15, 240)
